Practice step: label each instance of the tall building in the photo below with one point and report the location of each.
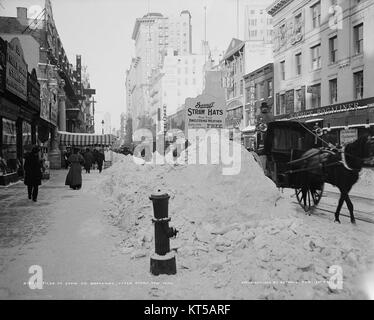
(180, 77)
(258, 24)
(323, 64)
(154, 34)
(107, 123)
(122, 129)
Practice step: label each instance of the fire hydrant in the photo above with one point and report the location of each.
(162, 261)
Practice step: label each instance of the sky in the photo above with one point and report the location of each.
(101, 30)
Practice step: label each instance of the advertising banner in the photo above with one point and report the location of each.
(33, 91)
(348, 136)
(16, 70)
(3, 46)
(205, 112)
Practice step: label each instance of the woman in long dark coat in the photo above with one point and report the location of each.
(33, 173)
(74, 177)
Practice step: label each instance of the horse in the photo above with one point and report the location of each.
(339, 167)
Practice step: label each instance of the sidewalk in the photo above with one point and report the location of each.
(67, 234)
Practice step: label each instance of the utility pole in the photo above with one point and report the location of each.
(93, 101)
(205, 44)
(237, 19)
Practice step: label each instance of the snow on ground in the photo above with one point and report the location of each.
(237, 233)
(365, 186)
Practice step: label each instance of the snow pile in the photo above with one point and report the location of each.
(367, 177)
(235, 230)
(200, 194)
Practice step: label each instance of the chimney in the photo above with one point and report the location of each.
(22, 15)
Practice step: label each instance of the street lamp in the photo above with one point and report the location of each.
(102, 122)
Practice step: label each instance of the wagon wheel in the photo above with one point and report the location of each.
(309, 197)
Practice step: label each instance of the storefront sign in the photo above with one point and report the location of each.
(3, 46)
(33, 91)
(16, 70)
(348, 136)
(54, 105)
(205, 112)
(44, 102)
(251, 103)
(164, 117)
(336, 108)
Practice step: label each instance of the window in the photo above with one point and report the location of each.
(358, 34)
(193, 81)
(359, 85)
(186, 81)
(270, 88)
(9, 147)
(316, 15)
(298, 98)
(283, 70)
(333, 91)
(333, 49)
(298, 64)
(316, 96)
(241, 87)
(298, 23)
(316, 57)
(282, 103)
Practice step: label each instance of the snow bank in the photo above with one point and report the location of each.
(236, 230)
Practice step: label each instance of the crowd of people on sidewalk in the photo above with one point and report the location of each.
(74, 160)
(79, 159)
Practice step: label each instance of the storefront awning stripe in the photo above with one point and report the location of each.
(79, 139)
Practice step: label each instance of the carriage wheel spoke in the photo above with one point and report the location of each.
(309, 192)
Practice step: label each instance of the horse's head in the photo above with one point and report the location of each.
(365, 147)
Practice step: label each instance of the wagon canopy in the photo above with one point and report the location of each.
(288, 135)
(85, 139)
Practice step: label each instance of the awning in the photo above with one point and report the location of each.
(85, 139)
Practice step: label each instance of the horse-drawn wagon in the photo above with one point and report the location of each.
(297, 157)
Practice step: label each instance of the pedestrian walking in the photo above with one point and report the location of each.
(100, 158)
(33, 173)
(67, 154)
(88, 160)
(74, 176)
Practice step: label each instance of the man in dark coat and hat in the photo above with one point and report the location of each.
(99, 158)
(33, 173)
(88, 160)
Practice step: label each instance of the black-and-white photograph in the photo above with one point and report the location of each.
(164, 150)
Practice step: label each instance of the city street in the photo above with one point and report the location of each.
(230, 144)
(89, 250)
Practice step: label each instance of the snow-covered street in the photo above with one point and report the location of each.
(239, 238)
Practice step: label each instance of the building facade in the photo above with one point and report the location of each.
(60, 85)
(241, 58)
(153, 34)
(19, 109)
(259, 99)
(323, 62)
